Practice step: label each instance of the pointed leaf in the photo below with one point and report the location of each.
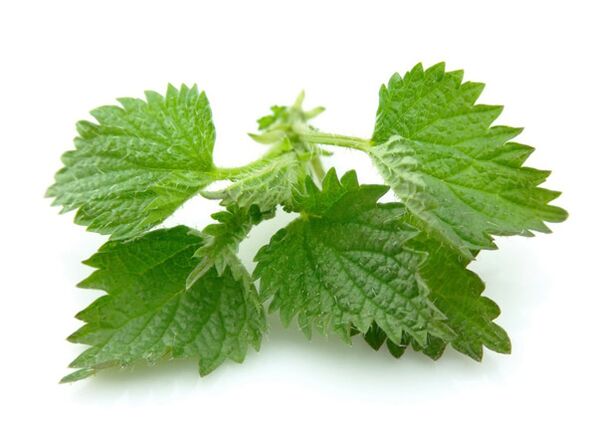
(147, 314)
(138, 163)
(460, 176)
(344, 264)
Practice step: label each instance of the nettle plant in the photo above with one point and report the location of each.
(393, 273)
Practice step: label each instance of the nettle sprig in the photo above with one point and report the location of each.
(393, 273)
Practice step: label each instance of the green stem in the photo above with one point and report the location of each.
(314, 137)
(318, 168)
(231, 173)
(310, 137)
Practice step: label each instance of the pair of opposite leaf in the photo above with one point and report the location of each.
(395, 273)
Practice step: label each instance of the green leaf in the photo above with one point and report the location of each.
(147, 314)
(81, 374)
(376, 337)
(269, 183)
(279, 115)
(139, 163)
(344, 264)
(456, 292)
(460, 176)
(221, 241)
(287, 119)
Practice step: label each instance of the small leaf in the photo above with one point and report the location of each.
(221, 241)
(266, 185)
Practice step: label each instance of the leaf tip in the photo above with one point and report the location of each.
(77, 375)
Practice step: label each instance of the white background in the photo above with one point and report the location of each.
(60, 59)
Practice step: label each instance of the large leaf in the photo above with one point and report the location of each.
(139, 163)
(148, 314)
(344, 264)
(460, 176)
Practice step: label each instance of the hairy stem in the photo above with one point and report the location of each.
(233, 172)
(307, 136)
(314, 137)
